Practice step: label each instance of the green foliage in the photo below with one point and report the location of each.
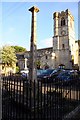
(8, 55)
(19, 49)
(38, 64)
(17, 69)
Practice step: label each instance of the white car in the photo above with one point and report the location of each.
(24, 73)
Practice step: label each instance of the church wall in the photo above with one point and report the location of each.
(63, 57)
(63, 40)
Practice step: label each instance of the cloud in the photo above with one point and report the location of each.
(45, 43)
(3, 43)
(8, 32)
(8, 36)
(11, 29)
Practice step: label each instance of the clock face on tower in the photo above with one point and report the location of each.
(63, 32)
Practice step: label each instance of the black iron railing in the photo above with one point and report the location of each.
(26, 100)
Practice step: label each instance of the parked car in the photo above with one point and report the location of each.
(40, 71)
(67, 77)
(48, 75)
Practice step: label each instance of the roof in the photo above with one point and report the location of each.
(49, 48)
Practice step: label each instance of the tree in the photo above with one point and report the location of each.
(19, 49)
(38, 64)
(8, 56)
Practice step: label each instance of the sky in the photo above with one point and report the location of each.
(16, 22)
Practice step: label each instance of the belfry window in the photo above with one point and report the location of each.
(62, 21)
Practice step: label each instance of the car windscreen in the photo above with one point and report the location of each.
(39, 72)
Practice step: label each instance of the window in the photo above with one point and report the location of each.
(63, 46)
(46, 57)
(62, 21)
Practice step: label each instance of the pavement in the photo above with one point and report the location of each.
(73, 115)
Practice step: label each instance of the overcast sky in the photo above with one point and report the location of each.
(16, 22)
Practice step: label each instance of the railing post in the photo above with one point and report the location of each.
(0, 97)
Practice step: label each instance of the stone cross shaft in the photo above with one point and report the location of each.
(33, 46)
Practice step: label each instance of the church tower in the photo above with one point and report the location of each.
(64, 38)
